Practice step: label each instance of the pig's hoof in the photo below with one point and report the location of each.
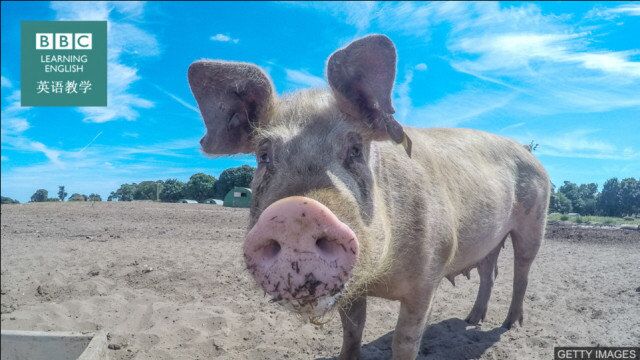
(511, 320)
(475, 317)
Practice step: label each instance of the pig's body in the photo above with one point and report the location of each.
(447, 210)
(340, 211)
(477, 187)
(454, 202)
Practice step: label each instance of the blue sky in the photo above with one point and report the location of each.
(566, 75)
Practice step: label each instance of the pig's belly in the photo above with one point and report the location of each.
(477, 240)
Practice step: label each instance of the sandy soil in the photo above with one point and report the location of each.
(167, 281)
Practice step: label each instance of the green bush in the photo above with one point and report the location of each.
(564, 218)
(8, 200)
(41, 195)
(78, 197)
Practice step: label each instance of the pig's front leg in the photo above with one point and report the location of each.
(353, 318)
(411, 323)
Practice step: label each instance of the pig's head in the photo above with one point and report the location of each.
(314, 236)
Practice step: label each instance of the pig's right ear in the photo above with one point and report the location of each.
(234, 98)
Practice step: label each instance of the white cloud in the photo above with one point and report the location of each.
(455, 109)
(579, 143)
(615, 12)
(133, 135)
(116, 165)
(421, 67)
(551, 64)
(402, 101)
(6, 83)
(15, 125)
(451, 110)
(85, 10)
(360, 14)
(179, 100)
(125, 37)
(512, 126)
(13, 107)
(224, 38)
(51, 154)
(302, 78)
(517, 51)
(13, 138)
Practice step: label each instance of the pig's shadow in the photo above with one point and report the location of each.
(448, 339)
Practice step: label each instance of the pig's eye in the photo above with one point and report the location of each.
(263, 158)
(355, 152)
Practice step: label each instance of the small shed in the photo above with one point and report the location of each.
(238, 197)
(214, 201)
(187, 201)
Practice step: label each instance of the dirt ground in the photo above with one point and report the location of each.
(167, 281)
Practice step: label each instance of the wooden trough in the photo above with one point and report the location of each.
(44, 345)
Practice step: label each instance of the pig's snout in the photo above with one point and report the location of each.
(299, 250)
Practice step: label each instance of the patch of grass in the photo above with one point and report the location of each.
(595, 220)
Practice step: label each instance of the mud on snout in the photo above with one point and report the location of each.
(301, 254)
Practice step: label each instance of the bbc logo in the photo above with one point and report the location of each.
(64, 41)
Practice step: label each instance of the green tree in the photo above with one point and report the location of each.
(587, 194)
(172, 190)
(559, 203)
(582, 197)
(238, 176)
(78, 197)
(8, 200)
(629, 195)
(608, 201)
(572, 192)
(124, 193)
(62, 194)
(200, 187)
(589, 207)
(94, 197)
(40, 195)
(148, 190)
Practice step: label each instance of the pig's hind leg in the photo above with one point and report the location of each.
(526, 238)
(488, 270)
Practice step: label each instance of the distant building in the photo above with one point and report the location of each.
(214, 201)
(238, 197)
(187, 201)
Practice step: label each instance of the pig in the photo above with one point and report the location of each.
(347, 203)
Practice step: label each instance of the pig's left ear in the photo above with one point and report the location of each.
(361, 77)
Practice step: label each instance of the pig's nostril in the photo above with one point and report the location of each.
(324, 245)
(271, 249)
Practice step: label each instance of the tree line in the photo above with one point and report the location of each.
(617, 198)
(200, 187)
(42, 195)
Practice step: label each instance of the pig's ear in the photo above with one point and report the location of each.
(234, 98)
(361, 77)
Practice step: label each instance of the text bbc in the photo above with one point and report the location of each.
(64, 41)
